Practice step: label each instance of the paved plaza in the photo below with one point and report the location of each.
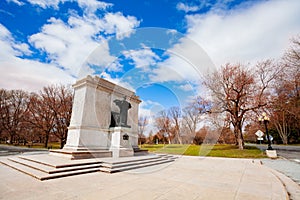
(186, 178)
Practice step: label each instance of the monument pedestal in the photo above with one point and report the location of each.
(271, 154)
(121, 142)
(101, 125)
(81, 154)
(85, 142)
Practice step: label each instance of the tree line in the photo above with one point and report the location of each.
(239, 93)
(35, 117)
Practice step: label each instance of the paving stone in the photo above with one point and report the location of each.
(186, 178)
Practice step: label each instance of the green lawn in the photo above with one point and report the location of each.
(231, 151)
(218, 150)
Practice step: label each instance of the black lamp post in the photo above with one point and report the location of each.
(265, 119)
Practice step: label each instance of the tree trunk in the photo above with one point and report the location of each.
(240, 143)
(62, 143)
(284, 139)
(11, 139)
(46, 140)
(239, 135)
(282, 130)
(178, 137)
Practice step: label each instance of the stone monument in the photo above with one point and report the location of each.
(104, 121)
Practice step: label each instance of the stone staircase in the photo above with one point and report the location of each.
(44, 171)
(44, 167)
(112, 166)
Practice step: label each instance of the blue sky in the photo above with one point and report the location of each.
(160, 48)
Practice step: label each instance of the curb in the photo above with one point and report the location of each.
(291, 187)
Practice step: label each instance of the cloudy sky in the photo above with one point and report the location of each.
(158, 48)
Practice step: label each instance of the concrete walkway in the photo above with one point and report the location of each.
(186, 178)
(285, 166)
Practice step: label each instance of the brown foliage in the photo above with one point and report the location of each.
(163, 123)
(35, 116)
(238, 90)
(14, 106)
(285, 107)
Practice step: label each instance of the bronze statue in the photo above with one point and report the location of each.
(124, 106)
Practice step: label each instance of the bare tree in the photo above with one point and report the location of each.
(175, 114)
(61, 106)
(14, 105)
(163, 123)
(292, 60)
(285, 108)
(3, 97)
(41, 115)
(238, 90)
(192, 114)
(280, 115)
(142, 123)
(51, 112)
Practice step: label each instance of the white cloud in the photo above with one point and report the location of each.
(46, 3)
(102, 59)
(142, 58)
(186, 87)
(117, 23)
(150, 107)
(19, 3)
(246, 34)
(187, 61)
(32, 76)
(70, 44)
(6, 42)
(67, 45)
(9, 47)
(70, 47)
(117, 81)
(186, 8)
(18, 73)
(89, 6)
(166, 71)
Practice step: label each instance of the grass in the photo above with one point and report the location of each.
(224, 150)
(230, 151)
(52, 145)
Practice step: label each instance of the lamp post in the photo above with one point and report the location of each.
(265, 120)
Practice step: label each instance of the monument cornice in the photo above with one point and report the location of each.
(104, 85)
(117, 90)
(87, 81)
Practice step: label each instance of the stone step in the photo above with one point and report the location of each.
(140, 152)
(51, 170)
(27, 170)
(45, 167)
(137, 162)
(42, 175)
(136, 166)
(127, 160)
(168, 156)
(52, 161)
